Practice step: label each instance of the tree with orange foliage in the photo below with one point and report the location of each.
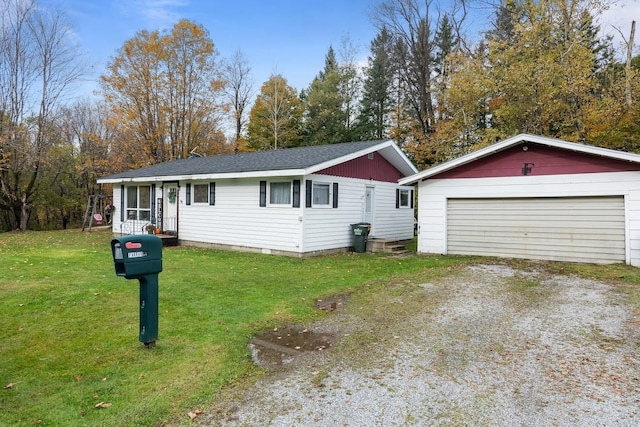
(163, 91)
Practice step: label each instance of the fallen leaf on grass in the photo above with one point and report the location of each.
(103, 405)
(9, 386)
(192, 415)
(79, 378)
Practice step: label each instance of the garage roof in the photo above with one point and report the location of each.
(510, 142)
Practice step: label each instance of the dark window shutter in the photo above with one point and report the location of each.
(212, 193)
(411, 198)
(308, 193)
(296, 193)
(188, 194)
(153, 203)
(335, 194)
(397, 198)
(122, 203)
(263, 193)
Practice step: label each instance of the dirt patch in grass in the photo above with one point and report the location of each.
(281, 345)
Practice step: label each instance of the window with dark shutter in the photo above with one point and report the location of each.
(263, 194)
(188, 194)
(153, 203)
(403, 198)
(122, 203)
(296, 193)
(335, 194)
(411, 198)
(212, 193)
(308, 193)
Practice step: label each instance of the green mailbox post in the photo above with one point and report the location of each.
(140, 257)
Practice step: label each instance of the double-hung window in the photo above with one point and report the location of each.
(321, 194)
(404, 198)
(201, 193)
(139, 202)
(280, 193)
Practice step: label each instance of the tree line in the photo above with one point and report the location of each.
(541, 67)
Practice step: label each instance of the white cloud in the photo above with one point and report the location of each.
(156, 14)
(617, 19)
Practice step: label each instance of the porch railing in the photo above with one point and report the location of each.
(134, 226)
(138, 226)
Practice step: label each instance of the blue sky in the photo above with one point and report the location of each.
(290, 37)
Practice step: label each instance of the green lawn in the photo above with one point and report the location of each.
(69, 325)
(69, 350)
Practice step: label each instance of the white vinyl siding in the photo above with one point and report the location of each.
(578, 229)
(239, 221)
(331, 228)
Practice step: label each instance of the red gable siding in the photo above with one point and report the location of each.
(378, 169)
(543, 160)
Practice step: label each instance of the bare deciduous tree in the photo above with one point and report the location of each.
(409, 22)
(38, 64)
(238, 89)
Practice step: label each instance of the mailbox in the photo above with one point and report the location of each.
(140, 257)
(137, 255)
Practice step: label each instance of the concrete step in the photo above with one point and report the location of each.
(386, 245)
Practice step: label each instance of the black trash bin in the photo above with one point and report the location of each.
(360, 235)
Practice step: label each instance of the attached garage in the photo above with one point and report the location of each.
(535, 198)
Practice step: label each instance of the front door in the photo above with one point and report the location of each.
(170, 209)
(369, 200)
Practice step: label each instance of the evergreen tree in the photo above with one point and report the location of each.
(325, 119)
(445, 42)
(508, 15)
(377, 99)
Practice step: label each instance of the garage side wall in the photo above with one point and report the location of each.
(433, 195)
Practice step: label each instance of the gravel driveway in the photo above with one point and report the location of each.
(489, 345)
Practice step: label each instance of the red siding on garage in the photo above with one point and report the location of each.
(376, 168)
(544, 160)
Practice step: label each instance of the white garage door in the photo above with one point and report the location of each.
(580, 229)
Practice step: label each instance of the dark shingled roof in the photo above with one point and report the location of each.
(283, 159)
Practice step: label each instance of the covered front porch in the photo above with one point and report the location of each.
(166, 229)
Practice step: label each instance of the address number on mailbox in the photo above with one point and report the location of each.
(139, 254)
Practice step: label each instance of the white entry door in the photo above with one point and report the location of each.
(170, 208)
(369, 201)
